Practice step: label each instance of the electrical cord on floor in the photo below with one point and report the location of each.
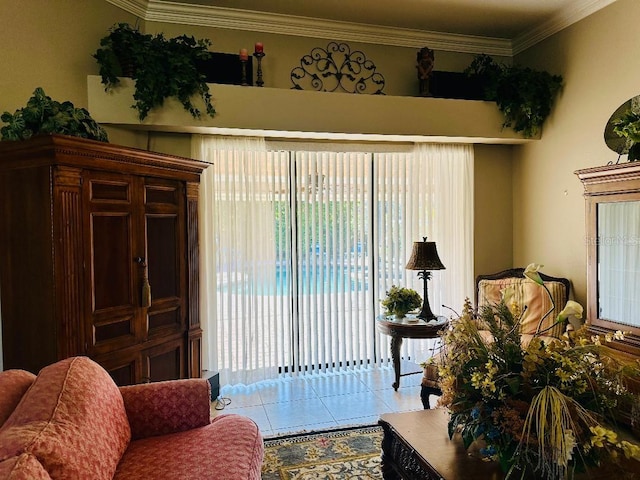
(222, 402)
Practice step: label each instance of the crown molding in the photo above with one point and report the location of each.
(136, 7)
(234, 19)
(279, 24)
(564, 18)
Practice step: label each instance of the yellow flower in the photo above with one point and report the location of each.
(531, 272)
(629, 449)
(600, 435)
(562, 375)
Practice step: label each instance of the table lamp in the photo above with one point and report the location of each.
(424, 257)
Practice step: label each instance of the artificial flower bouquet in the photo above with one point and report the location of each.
(544, 409)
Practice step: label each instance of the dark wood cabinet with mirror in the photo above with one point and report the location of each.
(99, 257)
(612, 196)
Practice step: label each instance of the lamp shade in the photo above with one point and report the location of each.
(424, 256)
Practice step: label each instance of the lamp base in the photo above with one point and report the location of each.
(426, 313)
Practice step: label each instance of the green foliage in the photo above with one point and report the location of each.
(44, 115)
(161, 67)
(542, 406)
(628, 126)
(523, 95)
(400, 301)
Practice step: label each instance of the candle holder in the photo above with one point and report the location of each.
(243, 79)
(259, 55)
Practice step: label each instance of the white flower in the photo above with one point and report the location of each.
(531, 272)
(572, 312)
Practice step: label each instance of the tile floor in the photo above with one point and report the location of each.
(324, 401)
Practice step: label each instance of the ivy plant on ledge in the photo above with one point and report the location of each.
(161, 68)
(523, 95)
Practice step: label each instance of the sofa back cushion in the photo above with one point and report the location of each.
(23, 467)
(72, 420)
(533, 296)
(13, 385)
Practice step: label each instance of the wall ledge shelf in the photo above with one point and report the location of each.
(276, 112)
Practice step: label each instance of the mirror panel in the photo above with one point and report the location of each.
(618, 254)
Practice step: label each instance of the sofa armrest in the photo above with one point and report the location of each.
(172, 406)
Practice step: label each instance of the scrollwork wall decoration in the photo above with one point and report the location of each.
(337, 67)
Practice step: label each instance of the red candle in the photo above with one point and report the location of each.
(259, 47)
(243, 54)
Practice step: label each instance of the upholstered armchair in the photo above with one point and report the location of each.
(526, 292)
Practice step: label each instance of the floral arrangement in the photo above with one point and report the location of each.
(544, 407)
(400, 301)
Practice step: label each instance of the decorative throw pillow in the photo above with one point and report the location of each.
(534, 297)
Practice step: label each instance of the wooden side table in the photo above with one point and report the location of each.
(408, 327)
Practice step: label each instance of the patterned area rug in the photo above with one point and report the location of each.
(346, 453)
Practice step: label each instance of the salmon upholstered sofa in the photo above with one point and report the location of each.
(526, 292)
(72, 422)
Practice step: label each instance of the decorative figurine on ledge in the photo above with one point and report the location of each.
(426, 60)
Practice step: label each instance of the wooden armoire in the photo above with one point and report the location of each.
(99, 257)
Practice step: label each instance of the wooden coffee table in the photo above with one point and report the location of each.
(416, 446)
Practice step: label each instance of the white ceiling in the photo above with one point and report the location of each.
(500, 27)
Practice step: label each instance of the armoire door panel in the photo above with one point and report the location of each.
(164, 362)
(112, 257)
(110, 191)
(162, 195)
(162, 254)
(125, 368)
(165, 319)
(115, 329)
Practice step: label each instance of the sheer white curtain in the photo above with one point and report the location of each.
(334, 328)
(245, 326)
(298, 248)
(426, 193)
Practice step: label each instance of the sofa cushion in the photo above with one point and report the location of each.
(72, 420)
(533, 296)
(13, 385)
(229, 448)
(23, 467)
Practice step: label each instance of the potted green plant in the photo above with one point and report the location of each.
(523, 95)
(120, 52)
(161, 68)
(628, 126)
(400, 301)
(44, 115)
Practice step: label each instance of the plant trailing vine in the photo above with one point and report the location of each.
(44, 115)
(161, 68)
(523, 95)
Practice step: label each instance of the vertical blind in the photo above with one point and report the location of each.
(300, 246)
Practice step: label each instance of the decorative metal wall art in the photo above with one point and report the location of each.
(337, 67)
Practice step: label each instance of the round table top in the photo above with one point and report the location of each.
(410, 326)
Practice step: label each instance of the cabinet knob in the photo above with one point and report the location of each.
(139, 260)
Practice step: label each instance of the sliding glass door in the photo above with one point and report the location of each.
(303, 246)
